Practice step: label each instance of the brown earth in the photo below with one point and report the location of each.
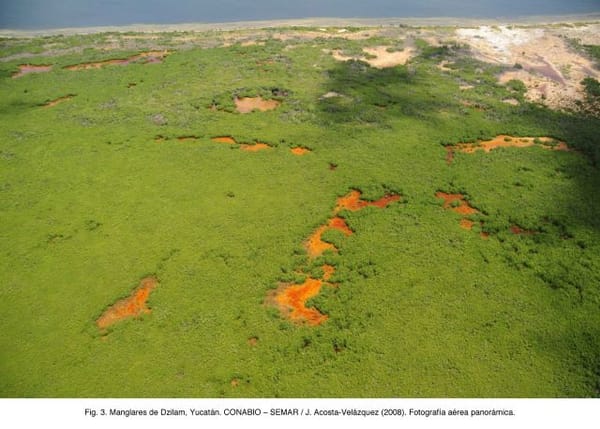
(133, 306)
(516, 229)
(353, 202)
(58, 101)
(187, 138)
(466, 224)
(463, 207)
(339, 224)
(29, 68)
(328, 271)
(146, 57)
(224, 139)
(291, 301)
(291, 298)
(315, 246)
(300, 151)
(249, 104)
(505, 141)
(254, 147)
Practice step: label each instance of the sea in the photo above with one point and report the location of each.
(50, 14)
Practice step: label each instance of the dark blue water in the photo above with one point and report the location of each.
(45, 14)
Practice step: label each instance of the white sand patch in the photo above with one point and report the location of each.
(511, 101)
(331, 94)
(443, 66)
(383, 58)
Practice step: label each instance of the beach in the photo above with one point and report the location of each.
(307, 22)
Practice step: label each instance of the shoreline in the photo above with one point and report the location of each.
(307, 22)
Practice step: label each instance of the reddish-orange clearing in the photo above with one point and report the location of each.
(133, 306)
(506, 141)
(340, 224)
(224, 139)
(151, 57)
(29, 68)
(449, 154)
(254, 147)
(291, 299)
(466, 224)
(353, 202)
(315, 246)
(328, 271)
(58, 101)
(516, 229)
(248, 104)
(300, 151)
(463, 208)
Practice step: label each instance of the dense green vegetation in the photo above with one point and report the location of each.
(92, 202)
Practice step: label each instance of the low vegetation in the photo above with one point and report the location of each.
(139, 176)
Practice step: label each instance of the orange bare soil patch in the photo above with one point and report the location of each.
(133, 306)
(315, 246)
(467, 224)
(516, 229)
(353, 202)
(254, 147)
(58, 101)
(506, 141)
(300, 151)
(449, 154)
(29, 68)
(224, 139)
(187, 138)
(328, 271)
(463, 206)
(252, 341)
(291, 300)
(249, 104)
(340, 225)
(151, 57)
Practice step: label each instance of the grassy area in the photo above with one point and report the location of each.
(92, 202)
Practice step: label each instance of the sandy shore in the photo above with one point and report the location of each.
(308, 22)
